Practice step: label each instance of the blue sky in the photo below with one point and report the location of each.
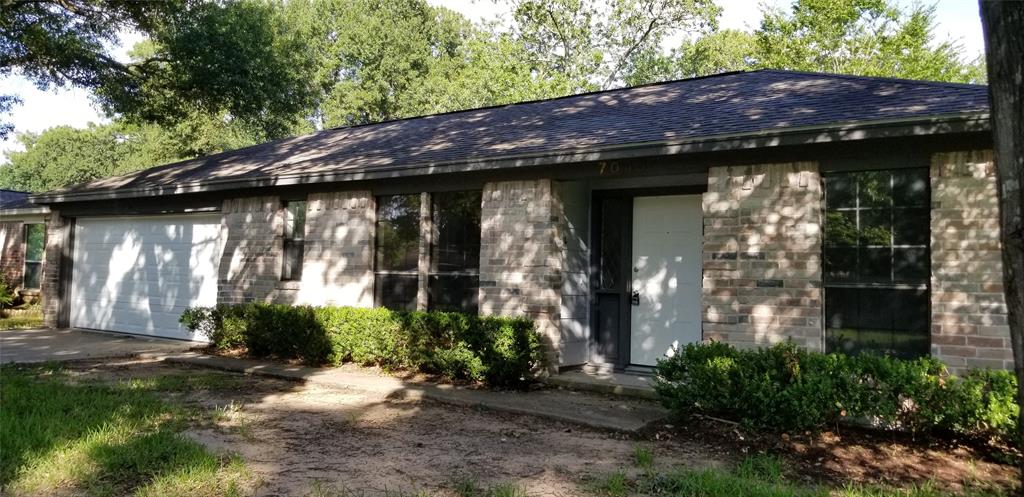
(957, 19)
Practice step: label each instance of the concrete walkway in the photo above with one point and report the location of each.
(595, 411)
(42, 345)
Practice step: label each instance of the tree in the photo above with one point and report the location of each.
(235, 57)
(1003, 24)
(596, 45)
(63, 155)
(862, 37)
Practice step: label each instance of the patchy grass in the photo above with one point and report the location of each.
(471, 487)
(21, 322)
(102, 440)
(756, 476)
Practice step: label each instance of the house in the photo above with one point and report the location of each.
(22, 240)
(843, 213)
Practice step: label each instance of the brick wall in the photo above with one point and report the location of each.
(338, 260)
(969, 327)
(250, 266)
(520, 256)
(51, 290)
(12, 252)
(762, 255)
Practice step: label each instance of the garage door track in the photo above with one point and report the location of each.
(26, 346)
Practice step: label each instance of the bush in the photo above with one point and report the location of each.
(785, 387)
(497, 350)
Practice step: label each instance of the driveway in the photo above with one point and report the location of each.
(60, 345)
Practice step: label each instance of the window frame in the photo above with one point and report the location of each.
(434, 273)
(36, 263)
(919, 340)
(378, 272)
(293, 241)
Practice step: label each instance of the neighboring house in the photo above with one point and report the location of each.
(843, 213)
(22, 242)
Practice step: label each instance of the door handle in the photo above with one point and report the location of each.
(635, 298)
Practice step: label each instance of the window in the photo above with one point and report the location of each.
(35, 243)
(396, 277)
(454, 279)
(877, 262)
(294, 240)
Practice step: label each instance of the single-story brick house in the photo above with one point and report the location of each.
(843, 213)
(22, 242)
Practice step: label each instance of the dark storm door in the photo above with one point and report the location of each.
(610, 263)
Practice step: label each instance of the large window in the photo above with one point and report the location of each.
(294, 240)
(454, 279)
(877, 262)
(35, 243)
(398, 240)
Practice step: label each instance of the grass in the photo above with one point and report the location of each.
(760, 475)
(102, 440)
(471, 487)
(21, 322)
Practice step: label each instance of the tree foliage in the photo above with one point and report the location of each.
(596, 45)
(861, 37)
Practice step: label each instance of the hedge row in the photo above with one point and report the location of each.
(497, 350)
(788, 388)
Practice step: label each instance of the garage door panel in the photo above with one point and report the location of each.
(137, 274)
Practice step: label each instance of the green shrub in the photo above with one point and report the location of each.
(497, 350)
(785, 387)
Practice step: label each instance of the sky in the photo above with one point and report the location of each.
(956, 19)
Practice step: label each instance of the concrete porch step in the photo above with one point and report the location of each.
(625, 384)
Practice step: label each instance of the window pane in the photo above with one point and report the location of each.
(454, 293)
(882, 321)
(840, 191)
(874, 189)
(911, 226)
(33, 274)
(396, 291)
(398, 232)
(295, 219)
(841, 228)
(910, 265)
(840, 265)
(910, 188)
(875, 265)
(35, 242)
(291, 268)
(876, 227)
(457, 226)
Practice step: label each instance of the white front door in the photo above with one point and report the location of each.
(667, 234)
(137, 274)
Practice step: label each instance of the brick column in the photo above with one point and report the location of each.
(250, 266)
(520, 256)
(969, 327)
(762, 255)
(337, 263)
(12, 252)
(53, 291)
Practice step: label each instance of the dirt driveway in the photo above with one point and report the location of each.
(298, 438)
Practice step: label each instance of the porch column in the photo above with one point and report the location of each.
(762, 255)
(520, 263)
(969, 327)
(56, 275)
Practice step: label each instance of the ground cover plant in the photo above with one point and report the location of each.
(500, 351)
(62, 437)
(787, 388)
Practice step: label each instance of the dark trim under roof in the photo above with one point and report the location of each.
(729, 111)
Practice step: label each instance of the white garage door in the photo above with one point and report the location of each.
(137, 274)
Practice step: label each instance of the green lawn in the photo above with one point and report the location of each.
(102, 440)
(755, 476)
(21, 322)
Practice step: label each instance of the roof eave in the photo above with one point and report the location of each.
(839, 132)
(24, 211)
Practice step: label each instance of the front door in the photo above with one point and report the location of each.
(666, 275)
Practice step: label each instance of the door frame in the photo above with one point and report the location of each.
(626, 264)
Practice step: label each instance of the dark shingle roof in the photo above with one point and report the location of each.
(13, 199)
(727, 104)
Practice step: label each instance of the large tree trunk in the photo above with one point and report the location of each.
(1003, 22)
